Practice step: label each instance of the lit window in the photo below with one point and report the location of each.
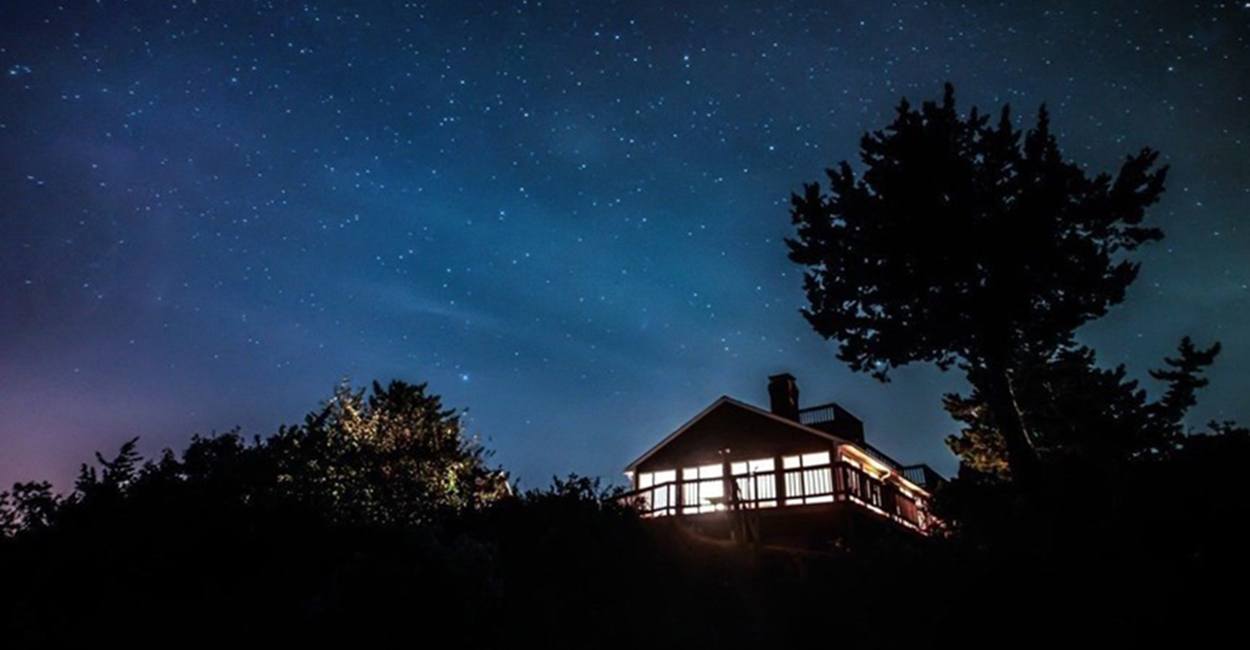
(819, 458)
(690, 489)
(809, 479)
(818, 484)
(873, 490)
(659, 491)
(853, 484)
(703, 488)
(663, 499)
(756, 482)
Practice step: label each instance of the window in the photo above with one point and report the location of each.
(872, 493)
(659, 491)
(820, 458)
(703, 488)
(758, 466)
(756, 481)
(663, 499)
(809, 478)
(853, 483)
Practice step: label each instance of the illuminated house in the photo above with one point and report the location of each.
(787, 475)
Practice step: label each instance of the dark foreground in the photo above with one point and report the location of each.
(377, 522)
(563, 568)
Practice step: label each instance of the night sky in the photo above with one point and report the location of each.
(566, 216)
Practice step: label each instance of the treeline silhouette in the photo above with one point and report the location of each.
(376, 520)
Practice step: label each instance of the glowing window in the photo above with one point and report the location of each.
(809, 479)
(853, 484)
(658, 491)
(819, 458)
(757, 466)
(662, 500)
(873, 490)
(703, 488)
(818, 482)
(756, 483)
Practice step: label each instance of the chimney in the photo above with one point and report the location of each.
(783, 396)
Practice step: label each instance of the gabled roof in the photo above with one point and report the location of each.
(725, 400)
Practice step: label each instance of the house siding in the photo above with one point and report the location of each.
(745, 434)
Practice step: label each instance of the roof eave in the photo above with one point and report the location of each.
(725, 399)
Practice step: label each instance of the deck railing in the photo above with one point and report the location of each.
(827, 483)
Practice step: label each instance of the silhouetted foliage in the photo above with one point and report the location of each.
(29, 507)
(270, 541)
(967, 243)
(275, 527)
(395, 456)
(1076, 408)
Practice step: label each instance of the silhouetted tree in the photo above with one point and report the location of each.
(327, 524)
(258, 540)
(30, 506)
(390, 456)
(1076, 408)
(965, 243)
(393, 456)
(114, 476)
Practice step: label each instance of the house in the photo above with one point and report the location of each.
(787, 475)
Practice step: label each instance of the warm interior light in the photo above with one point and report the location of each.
(808, 479)
(818, 458)
(854, 456)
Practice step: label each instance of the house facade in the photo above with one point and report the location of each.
(790, 475)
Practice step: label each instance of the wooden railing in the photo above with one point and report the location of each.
(827, 483)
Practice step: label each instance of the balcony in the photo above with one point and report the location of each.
(837, 482)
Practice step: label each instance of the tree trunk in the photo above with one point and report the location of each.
(1001, 399)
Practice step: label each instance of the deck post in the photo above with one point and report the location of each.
(679, 486)
(779, 476)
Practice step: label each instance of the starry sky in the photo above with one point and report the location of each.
(568, 217)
